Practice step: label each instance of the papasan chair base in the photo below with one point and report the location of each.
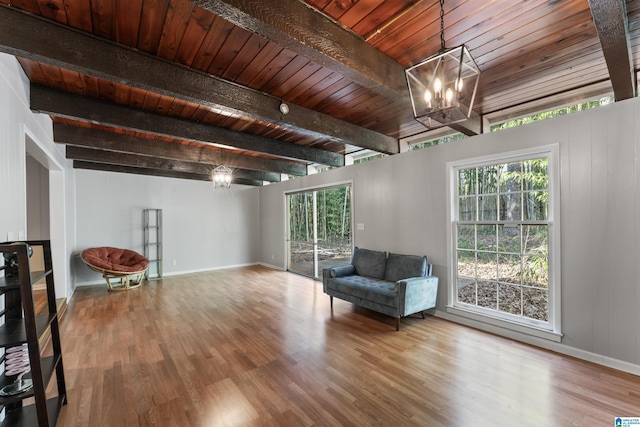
(122, 269)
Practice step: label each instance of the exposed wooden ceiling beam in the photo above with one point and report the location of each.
(298, 27)
(77, 107)
(93, 138)
(41, 40)
(146, 162)
(304, 30)
(610, 19)
(80, 164)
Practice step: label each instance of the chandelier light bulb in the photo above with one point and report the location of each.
(437, 86)
(449, 96)
(427, 97)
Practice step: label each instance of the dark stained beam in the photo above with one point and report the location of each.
(103, 167)
(93, 138)
(610, 19)
(304, 30)
(45, 41)
(470, 127)
(77, 107)
(146, 162)
(79, 164)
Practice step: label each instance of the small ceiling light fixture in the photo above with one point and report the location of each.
(443, 86)
(222, 177)
(284, 108)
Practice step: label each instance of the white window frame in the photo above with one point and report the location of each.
(552, 330)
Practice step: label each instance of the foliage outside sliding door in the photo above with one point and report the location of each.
(319, 229)
(502, 237)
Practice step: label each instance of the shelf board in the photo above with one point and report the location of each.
(8, 283)
(36, 276)
(27, 416)
(13, 331)
(48, 368)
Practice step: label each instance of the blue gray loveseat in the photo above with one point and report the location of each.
(396, 285)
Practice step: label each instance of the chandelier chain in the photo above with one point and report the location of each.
(442, 25)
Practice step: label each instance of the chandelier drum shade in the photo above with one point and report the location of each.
(443, 86)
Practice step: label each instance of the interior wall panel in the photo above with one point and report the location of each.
(22, 131)
(402, 201)
(203, 228)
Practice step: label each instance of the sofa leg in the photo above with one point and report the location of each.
(422, 312)
(331, 301)
(397, 323)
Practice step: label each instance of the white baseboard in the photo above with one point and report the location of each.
(101, 281)
(557, 347)
(275, 267)
(204, 270)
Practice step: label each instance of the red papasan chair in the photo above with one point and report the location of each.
(119, 264)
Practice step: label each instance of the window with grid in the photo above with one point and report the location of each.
(502, 235)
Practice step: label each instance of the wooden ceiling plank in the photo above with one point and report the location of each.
(374, 19)
(63, 104)
(151, 23)
(297, 79)
(31, 37)
(93, 138)
(103, 18)
(104, 167)
(128, 13)
(54, 77)
(54, 10)
(106, 88)
(91, 87)
(127, 159)
(302, 29)
(245, 56)
(610, 18)
(175, 25)
(313, 83)
(266, 56)
(235, 42)
(194, 36)
(213, 41)
(122, 94)
(28, 5)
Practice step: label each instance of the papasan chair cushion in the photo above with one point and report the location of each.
(115, 263)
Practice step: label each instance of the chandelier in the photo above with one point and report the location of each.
(222, 177)
(443, 86)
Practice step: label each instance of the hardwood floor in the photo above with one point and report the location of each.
(255, 346)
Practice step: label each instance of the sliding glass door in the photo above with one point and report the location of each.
(319, 229)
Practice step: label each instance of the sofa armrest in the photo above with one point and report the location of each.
(416, 294)
(335, 271)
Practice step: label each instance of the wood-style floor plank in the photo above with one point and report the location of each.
(259, 347)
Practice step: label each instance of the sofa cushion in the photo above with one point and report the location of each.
(369, 263)
(367, 289)
(400, 267)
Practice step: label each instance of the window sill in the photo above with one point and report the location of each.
(505, 324)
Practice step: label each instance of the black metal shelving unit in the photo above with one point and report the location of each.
(23, 325)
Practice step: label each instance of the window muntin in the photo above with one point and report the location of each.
(501, 237)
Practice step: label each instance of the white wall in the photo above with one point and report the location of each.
(22, 131)
(402, 202)
(203, 228)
